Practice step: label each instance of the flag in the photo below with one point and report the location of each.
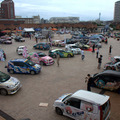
(25, 52)
(2, 56)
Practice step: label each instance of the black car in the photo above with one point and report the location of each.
(109, 80)
(19, 39)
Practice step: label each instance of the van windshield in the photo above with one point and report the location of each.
(30, 63)
(106, 109)
(4, 77)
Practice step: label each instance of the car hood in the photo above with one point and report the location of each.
(77, 49)
(47, 57)
(11, 81)
(63, 96)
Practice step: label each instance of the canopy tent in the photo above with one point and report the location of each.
(38, 29)
(54, 29)
(6, 31)
(28, 30)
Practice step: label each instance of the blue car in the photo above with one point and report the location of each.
(23, 66)
(42, 46)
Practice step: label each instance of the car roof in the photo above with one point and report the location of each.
(91, 97)
(21, 46)
(18, 60)
(117, 57)
(109, 72)
(55, 50)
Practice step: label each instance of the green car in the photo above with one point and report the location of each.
(62, 53)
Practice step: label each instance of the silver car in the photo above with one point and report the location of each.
(19, 50)
(8, 84)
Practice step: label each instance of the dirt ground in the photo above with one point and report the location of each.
(53, 81)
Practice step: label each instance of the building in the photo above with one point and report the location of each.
(117, 12)
(33, 20)
(64, 20)
(7, 10)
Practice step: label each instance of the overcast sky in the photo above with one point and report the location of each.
(84, 9)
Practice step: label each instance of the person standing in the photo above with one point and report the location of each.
(97, 52)
(36, 39)
(58, 59)
(99, 61)
(89, 81)
(110, 49)
(30, 35)
(93, 48)
(82, 55)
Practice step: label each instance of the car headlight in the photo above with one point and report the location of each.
(10, 86)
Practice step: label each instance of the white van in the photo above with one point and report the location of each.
(83, 105)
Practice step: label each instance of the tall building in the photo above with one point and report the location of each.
(64, 20)
(117, 12)
(7, 10)
(33, 20)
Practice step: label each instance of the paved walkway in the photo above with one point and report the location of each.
(4, 116)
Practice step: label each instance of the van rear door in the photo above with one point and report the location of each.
(105, 111)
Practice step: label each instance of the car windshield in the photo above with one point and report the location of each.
(30, 63)
(66, 98)
(4, 77)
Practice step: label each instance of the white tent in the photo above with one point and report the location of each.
(28, 30)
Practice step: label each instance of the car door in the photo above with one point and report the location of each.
(41, 46)
(20, 67)
(72, 108)
(64, 54)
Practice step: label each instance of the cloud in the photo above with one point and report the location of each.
(56, 8)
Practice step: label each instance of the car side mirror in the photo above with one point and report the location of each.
(66, 102)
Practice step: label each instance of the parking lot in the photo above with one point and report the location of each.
(53, 81)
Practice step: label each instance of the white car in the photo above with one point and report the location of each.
(83, 105)
(19, 50)
(8, 84)
(73, 48)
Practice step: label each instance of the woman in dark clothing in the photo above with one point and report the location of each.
(110, 49)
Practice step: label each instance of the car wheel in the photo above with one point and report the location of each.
(54, 56)
(3, 92)
(108, 68)
(113, 68)
(69, 56)
(41, 63)
(11, 71)
(32, 72)
(58, 111)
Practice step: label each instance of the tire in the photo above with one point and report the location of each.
(113, 68)
(54, 56)
(32, 72)
(58, 111)
(69, 56)
(3, 92)
(108, 68)
(11, 71)
(41, 63)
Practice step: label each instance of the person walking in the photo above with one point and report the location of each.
(58, 59)
(110, 49)
(99, 61)
(89, 81)
(97, 52)
(82, 55)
